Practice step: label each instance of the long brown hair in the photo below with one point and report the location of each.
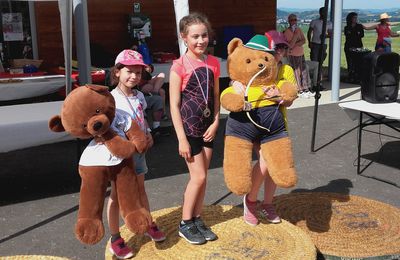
(194, 18)
(113, 78)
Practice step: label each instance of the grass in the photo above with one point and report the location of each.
(369, 41)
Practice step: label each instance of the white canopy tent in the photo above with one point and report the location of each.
(181, 8)
(65, 7)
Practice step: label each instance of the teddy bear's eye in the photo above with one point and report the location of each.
(266, 58)
(248, 60)
(97, 111)
(84, 126)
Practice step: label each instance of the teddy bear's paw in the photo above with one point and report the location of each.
(89, 231)
(138, 221)
(239, 186)
(286, 178)
(232, 102)
(240, 190)
(141, 145)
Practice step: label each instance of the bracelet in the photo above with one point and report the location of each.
(148, 130)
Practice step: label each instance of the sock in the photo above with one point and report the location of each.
(249, 202)
(185, 222)
(197, 217)
(115, 237)
(156, 124)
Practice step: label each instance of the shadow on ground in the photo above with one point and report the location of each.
(51, 170)
(314, 206)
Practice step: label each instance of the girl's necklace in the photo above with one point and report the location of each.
(138, 118)
(206, 111)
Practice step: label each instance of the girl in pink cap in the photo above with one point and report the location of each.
(126, 75)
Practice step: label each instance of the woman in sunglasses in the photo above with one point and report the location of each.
(296, 40)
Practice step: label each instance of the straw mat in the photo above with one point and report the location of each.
(236, 239)
(32, 257)
(344, 226)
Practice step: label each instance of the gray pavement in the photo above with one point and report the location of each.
(40, 186)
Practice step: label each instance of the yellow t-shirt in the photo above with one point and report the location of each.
(256, 94)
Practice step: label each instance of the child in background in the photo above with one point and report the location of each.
(194, 101)
(126, 74)
(152, 85)
(260, 173)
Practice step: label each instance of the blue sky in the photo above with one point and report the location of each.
(359, 4)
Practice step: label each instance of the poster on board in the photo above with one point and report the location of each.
(12, 27)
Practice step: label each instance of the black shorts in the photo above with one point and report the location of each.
(239, 125)
(197, 144)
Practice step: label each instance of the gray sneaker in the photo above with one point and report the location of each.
(190, 232)
(204, 230)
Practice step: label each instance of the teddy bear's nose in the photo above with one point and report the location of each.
(97, 126)
(260, 65)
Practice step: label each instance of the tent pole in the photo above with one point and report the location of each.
(319, 85)
(65, 7)
(336, 49)
(181, 9)
(82, 41)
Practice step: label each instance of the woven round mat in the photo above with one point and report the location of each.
(344, 226)
(236, 239)
(32, 257)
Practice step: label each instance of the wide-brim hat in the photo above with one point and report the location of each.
(130, 57)
(261, 43)
(384, 16)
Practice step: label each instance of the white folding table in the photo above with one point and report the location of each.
(378, 113)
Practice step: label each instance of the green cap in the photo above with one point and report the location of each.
(260, 42)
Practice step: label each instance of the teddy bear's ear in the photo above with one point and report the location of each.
(55, 124)
(97, 88)
(233, 44)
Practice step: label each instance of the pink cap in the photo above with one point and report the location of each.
(130, 57)
(277, 38)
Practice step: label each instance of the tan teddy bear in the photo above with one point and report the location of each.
(89, 111)
(255, 116)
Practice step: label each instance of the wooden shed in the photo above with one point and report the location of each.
(108, 22)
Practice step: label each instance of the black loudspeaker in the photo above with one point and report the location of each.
(380, 77)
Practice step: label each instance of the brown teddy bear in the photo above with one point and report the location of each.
(255, 116)
(89, 111)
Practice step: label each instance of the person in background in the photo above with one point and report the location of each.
(384, 40)
(314, 36)
(295, 39)
(194, 101)
(152, 85)
(126, 74)
(354, 32)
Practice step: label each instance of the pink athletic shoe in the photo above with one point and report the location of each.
(269, 213)
(120, 249)
(250, 213)
(155, 234)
